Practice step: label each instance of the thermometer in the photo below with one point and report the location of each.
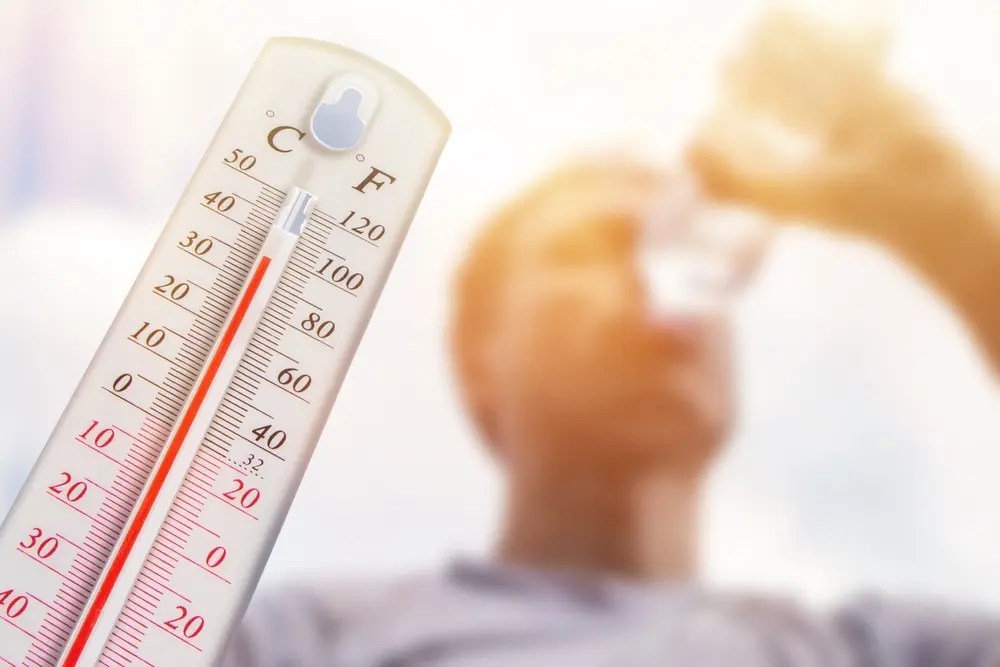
(143, 528)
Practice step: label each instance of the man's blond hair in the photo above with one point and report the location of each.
(576, 193)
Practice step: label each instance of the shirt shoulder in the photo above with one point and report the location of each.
(872, 631)
(298, 626)
(891, 632)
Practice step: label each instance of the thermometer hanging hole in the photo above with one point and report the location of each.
(269, 113)
(344, 112)
(359, 157)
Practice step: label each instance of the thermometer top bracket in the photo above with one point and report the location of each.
(361, 82)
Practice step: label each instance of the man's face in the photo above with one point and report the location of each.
(581, 371)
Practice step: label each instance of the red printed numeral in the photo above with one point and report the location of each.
(75, 492)
(12, 606)
(190, 627)
(99, 437)
(45, 547)
(245, 496)
(215, 557)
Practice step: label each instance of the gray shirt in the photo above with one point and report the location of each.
(490, 616)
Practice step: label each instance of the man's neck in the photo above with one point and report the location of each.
(638, 526)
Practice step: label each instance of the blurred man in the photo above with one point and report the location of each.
(605, 424)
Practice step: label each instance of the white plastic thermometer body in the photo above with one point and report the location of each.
(142, 530)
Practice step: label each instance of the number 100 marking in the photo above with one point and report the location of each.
(341, 275)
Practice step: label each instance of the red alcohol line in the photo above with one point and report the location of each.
(104, 589)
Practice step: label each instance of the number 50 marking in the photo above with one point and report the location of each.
(244, 162)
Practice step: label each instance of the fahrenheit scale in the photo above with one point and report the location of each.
(143, 528)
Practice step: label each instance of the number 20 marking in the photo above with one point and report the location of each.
(76, 490)
(191, 627)
(249, 498)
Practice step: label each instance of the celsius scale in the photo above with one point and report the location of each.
(144, 526)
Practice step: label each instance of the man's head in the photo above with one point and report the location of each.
(556, 355)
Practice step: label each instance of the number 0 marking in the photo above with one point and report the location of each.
(216, 557)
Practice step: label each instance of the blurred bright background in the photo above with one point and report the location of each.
(868, 454)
